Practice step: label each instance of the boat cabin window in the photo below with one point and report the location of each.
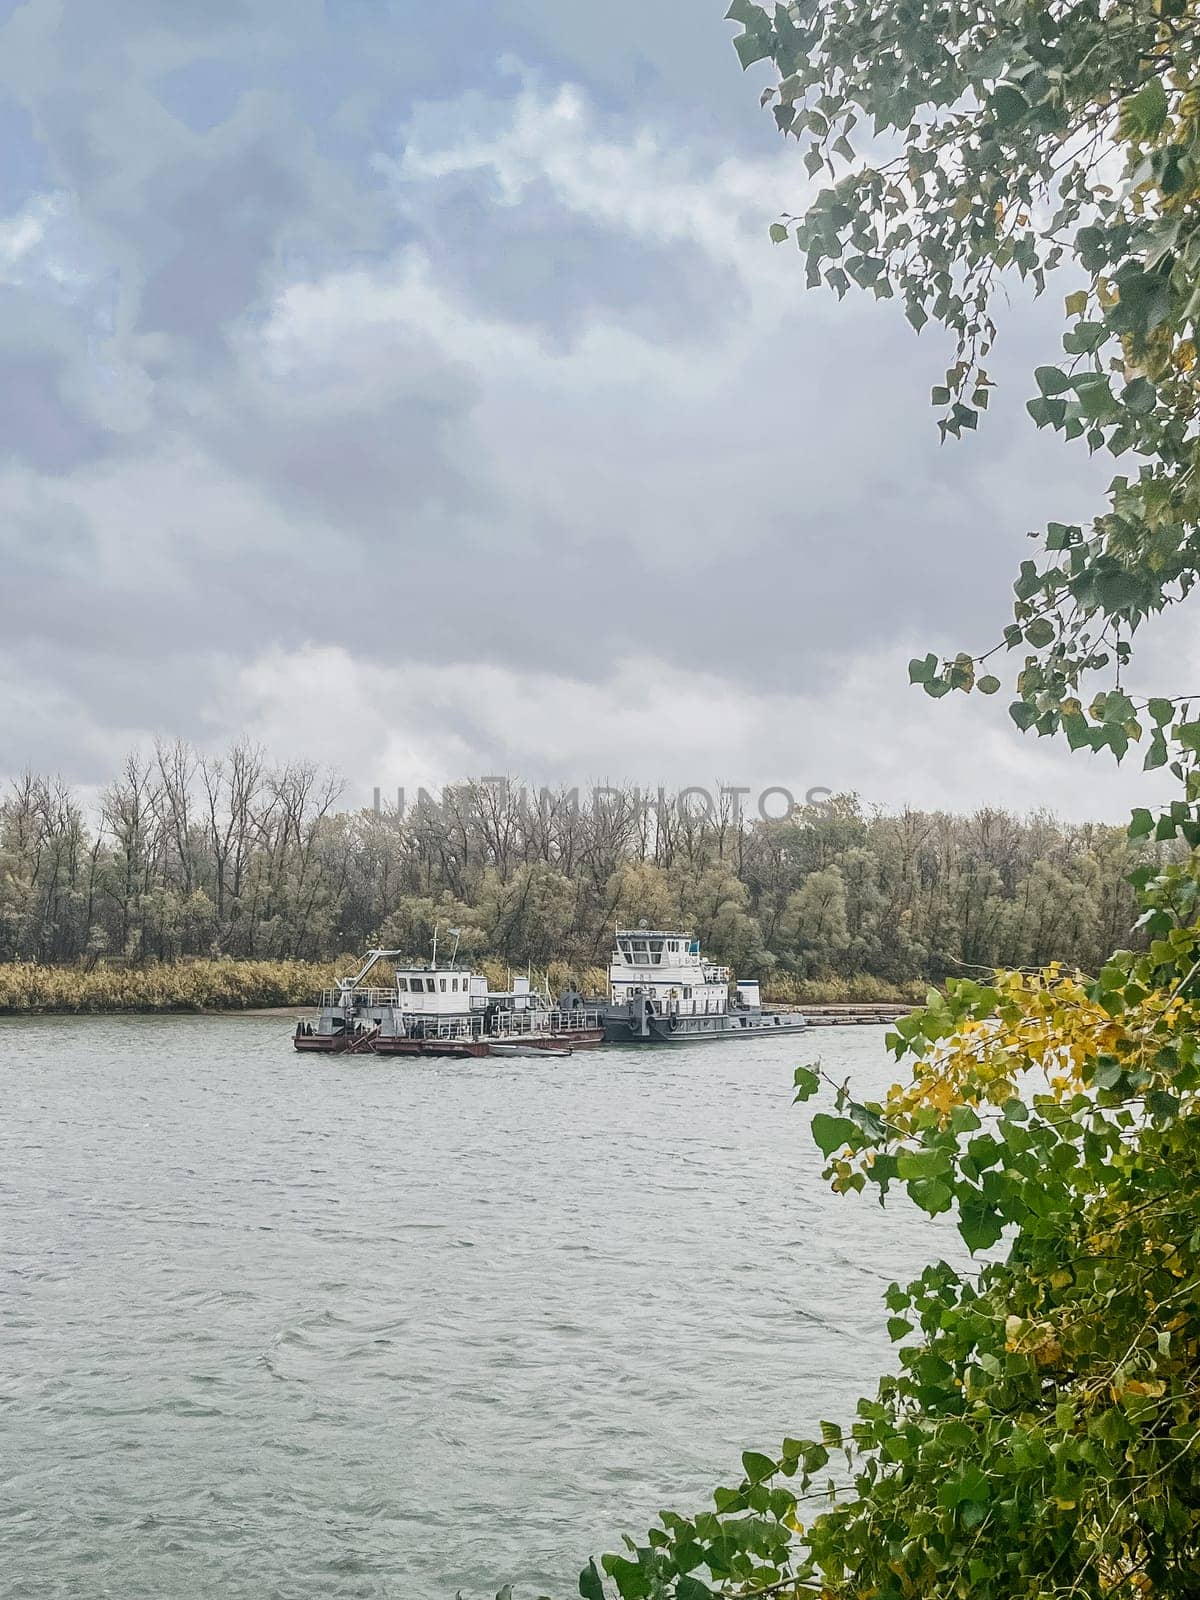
(401, 984)
(687, 993)
(442, 985)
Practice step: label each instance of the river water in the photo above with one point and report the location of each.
(273, 1326)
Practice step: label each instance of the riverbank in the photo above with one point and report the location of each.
(27, 989)
(224, 985)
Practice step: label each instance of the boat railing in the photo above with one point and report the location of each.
(359, 997)
(430, 1026)
(515, 1023)
(467, 1025)
(716, 974)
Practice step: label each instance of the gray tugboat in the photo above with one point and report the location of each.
(433, 1010)
(663, 991)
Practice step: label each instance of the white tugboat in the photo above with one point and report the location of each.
(663, 991)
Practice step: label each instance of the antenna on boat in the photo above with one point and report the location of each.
(435, 931)
(454, 953)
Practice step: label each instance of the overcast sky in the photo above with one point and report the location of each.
(414, 388)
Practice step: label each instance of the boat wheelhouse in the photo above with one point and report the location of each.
(667, 968)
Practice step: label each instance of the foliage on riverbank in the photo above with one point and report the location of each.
(191, 858)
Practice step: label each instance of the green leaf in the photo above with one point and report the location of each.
(758, 1467)
(831, 1133)
(867, 1118)
(1156, 754)
(1143, 114)
(979, 1225)
(807, 1083)
(931, 1194)
(591, 1585)
(1023, 714)
(1139, 397)
(1008, 104)
(987, 684)
(1163, 1107)
(779, 232)
(921, 669)
(633, 1581)
(1051, 380)
(923, 1164)
(1142, 824)
(752, 47)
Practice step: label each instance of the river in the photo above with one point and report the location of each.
(274, 1327)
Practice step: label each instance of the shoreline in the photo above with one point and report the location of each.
(295, 1011)
(818, 1009)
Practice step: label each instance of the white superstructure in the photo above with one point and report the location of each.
(668, 968)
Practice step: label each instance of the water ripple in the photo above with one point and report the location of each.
(277, 1328)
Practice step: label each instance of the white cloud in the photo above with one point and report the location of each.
(640, 184)
(649, 723)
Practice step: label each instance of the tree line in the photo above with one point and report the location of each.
(187, 855)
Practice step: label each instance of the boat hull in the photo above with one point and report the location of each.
(402, 1045)
(622, 1027)
(478, 1045)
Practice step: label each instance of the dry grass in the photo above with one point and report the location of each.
(861, 989)
(221, 985)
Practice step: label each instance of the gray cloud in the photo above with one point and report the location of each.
(543, 407)
(45, 415)
(545, 266)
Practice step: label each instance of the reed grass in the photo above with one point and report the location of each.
(860, 989)
(218, 985)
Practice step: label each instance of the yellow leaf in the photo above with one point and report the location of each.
(1150, 1387)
